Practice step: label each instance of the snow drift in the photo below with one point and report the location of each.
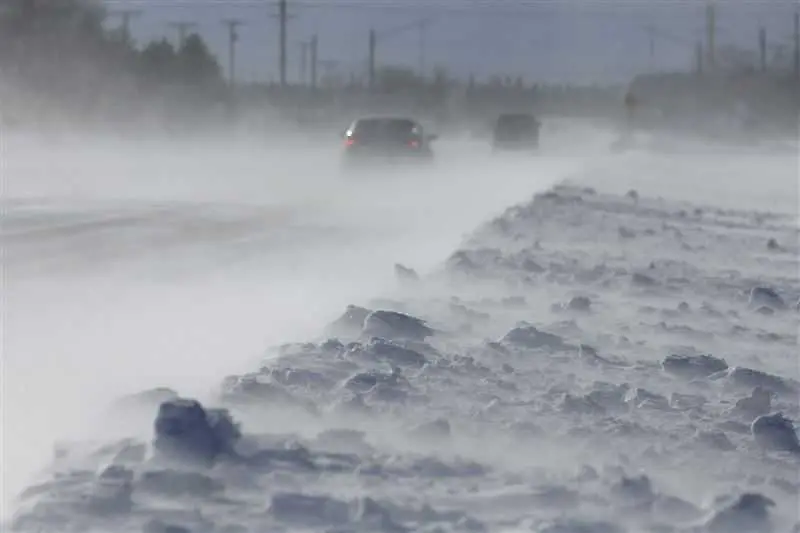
(587, 362)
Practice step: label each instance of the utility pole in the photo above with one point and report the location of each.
(283, 21)
(797, 44)
(314, 45)
(373, 40)
(233, 38)
(126, 15)
(762, 48)
(711, 29)
(182, 28)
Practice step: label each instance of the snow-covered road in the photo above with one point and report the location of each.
(129, 267)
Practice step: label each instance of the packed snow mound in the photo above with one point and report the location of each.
(693, 366)
(554, 375)
(184, 430)
(759, 402)
(405, 274)
(362, 323)
(750, 378)
(776, 432)
(393, 325)
(527, 336)
(350, 324)
(761, 297)
(748, 512)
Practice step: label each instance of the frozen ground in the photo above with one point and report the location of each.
(557, 385)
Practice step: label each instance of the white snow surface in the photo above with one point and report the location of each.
(616, 352)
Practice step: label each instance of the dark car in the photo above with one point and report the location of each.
(516, 131)
(387, 139)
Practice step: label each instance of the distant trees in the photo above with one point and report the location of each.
(36, 32)
(157, 61)
(58, 54)
(196, 65)
(192, 64)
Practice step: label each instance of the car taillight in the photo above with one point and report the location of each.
(349, 141)
(413, 143)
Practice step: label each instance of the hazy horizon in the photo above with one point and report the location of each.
(545, 41)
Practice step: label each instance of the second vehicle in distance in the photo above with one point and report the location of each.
(516, 132)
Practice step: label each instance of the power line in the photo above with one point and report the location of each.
(446, 4)
(487, 8)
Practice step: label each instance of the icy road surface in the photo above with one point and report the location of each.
(608, 356)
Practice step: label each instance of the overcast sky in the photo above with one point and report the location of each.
(545, 40)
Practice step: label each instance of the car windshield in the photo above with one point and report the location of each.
(386, 129)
